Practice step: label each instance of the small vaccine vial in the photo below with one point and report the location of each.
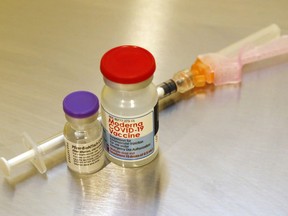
(129, 106)
(83, 133)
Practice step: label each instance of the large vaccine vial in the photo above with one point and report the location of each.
(129, 106)
(83, 133)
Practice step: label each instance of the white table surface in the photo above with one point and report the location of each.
(223, 151)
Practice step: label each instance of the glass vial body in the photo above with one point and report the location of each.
(83, 133)
(130, 109)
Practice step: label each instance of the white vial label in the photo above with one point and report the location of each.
(130, 138)
(85, 158)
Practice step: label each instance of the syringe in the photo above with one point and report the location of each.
(34, 154)
(217, 68)
(225, 66)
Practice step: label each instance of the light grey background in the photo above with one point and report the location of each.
(223, 150)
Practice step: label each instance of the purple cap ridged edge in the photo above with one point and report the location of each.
(80, 104)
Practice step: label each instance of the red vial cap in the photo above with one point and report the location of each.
(127, 64)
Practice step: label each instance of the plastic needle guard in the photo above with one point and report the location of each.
(224, 66)
(219, 70)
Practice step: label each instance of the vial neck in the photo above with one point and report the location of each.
(82, 124)
(128, 87)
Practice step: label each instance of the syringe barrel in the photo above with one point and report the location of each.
(51, 143)
(183, 80)
(166, 88)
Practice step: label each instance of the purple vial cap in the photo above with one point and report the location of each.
(80, 104)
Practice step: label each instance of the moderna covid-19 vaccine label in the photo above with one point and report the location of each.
(130, 138)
